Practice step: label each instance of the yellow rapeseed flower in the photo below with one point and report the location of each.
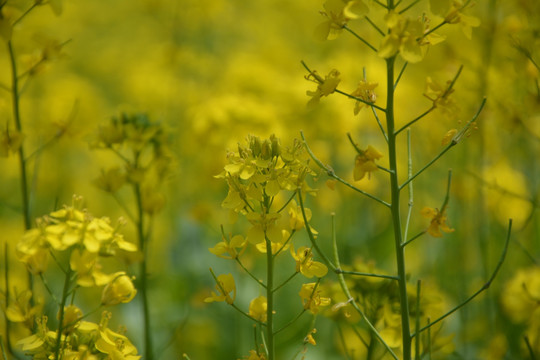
(438, 221)
(119, 290)
(312, 299)
(305, 264)
(258, 307)
(225, 286)
(365, 163)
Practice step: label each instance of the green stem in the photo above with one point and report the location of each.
(358, 273)
(330, 172)
(25, 196)
(454, 142)
(65, 294)
(18, 124)
(249, 273)
(479, 291)
(396, 219)
(360, 38)
(346, 291)
(143, 273)
(410, 188)
(270, 300)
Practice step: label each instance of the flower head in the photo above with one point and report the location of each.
(305, 264)
(365, 92)
(365, 162)
(438, 221)
(225, 285)
(338, 13)
(324, 87)
(119, 290)
(257, 308)
(311, 297)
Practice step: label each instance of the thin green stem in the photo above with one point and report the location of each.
(379, 123)
(395, 210)
(65, 294)
(4, 355)
(287, 202)
(413, 238)
(330, 172)
(46, 285)
(346, 291)
(292, 321)
(358, 273)
(360, 99)
(18, 124)
(479, 291)
(374, 26)
(400, 74)
(452, 143)
(410, 188)
(529, 347)
(285, 282)
(408, 6)
(143, 271)
(320, 80)
(360, 38)
(249, 273)
(312, 236)
(433, 107)
(270, 300)
(417, 325)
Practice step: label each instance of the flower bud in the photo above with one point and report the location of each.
(119, 290)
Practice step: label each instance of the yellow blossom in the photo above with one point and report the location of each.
(311, 297)
(438, 221)
(305, 264)
(324, 87)
(338, 14)
(449, 136)
(225, 286)
(440, 96)
(365, 92)
(309, 338)
(20, 310)
(296, 218)
(276, 245)
(257, 308)
(229, 247)
(453, 13)
(365, 162)
(119, 290)
(72, 318)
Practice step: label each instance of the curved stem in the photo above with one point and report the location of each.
(479, 291)
(330, 172)
(346, 291)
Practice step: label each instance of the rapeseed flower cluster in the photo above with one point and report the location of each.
(73, 234)
(264, 178)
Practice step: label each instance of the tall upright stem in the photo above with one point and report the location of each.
(395, 207)
(270, 300)
(143, 246)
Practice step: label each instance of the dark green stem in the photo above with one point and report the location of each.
(395, 210)
(479, 291)
(270, 300)
(65, 294)
(143, 273)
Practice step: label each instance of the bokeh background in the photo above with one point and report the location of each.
(214, 71)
